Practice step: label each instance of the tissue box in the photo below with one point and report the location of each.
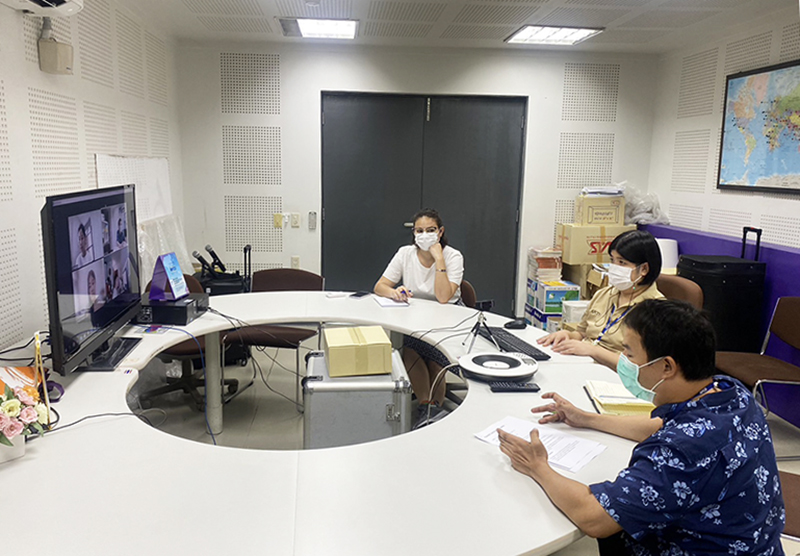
(600, 210)
(550, 295)
(587, 244)
(362, 350)
(574, 310)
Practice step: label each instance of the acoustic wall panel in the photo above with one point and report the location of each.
(585, 159)
(790, 42)
(686, 216)
(591, 92)
(156, 57)
(10, 294)
(159, 138)
(134, 133)
(690, 161)
(100, 126)
(251, 155)
(95, 44)
(698, 84)
(251, 83)
(239, 267)
(249, 220)
(54, 142)
(5, 151)
(131, 55)
(782, 230)
(729, 222)
(746, 54)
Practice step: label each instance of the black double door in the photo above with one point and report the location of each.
(386, 156)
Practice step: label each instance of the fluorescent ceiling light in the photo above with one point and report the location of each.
(327, 28)
(539, 34)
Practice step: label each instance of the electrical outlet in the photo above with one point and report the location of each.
(312, 220)
(277, 220)
(296, 262)
(295, 220)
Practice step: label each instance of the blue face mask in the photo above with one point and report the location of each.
(629, 375)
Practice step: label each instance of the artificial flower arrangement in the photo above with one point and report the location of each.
(21, 412)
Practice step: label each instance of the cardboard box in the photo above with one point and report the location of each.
(550, 295)
(354, 351)
(546, 321)
(577, 274)
(574, 310)
(600, 210)
(587, 244)
(596, 280)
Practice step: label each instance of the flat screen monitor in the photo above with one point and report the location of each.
(92, 276)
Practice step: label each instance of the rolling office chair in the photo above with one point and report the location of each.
(274, 335)
(680, 288)
(186, 352)
(468, 295)
(790, 487)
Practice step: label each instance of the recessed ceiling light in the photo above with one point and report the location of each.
(327, 28)
(542, 34)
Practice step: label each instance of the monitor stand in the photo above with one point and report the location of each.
(108, 356)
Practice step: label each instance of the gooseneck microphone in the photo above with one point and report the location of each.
(207, 267)
(215, 258)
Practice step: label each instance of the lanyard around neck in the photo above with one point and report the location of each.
(610, 323)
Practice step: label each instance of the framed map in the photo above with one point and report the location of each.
(761, 130)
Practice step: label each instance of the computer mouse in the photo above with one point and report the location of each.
(516, 324)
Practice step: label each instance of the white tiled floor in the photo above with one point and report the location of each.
(266, 418)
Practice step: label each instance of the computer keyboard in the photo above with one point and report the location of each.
(510, 343)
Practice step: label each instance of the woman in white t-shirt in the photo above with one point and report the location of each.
(428, 269)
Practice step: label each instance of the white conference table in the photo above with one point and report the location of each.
(114, 485)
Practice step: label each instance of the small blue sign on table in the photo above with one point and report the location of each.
(168, 283)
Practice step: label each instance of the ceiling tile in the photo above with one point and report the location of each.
(224, 7)
(404, 30)
(670, 19)
(334, 9)
(583, 17)
(405, 11)
(497, 15)
(477, 32)
(236, 24)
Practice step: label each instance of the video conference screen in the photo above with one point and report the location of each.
(95, 271)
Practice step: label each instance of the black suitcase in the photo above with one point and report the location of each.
(733, 294)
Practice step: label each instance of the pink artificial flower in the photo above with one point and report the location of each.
(28, 415)
(24, 397)
(4, 421)
(13, 428)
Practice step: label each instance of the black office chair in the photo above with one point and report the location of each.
(186, 352)
(274, 335)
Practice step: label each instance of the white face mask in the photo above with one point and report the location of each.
(426, 240)
(620, 277)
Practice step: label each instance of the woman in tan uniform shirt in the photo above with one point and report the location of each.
(635, 265)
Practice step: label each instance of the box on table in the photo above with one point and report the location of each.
(360, 350)
(548, 322)
(550, 295)
(600, 210)
(587, 244)
(574, 310)
(342, 411)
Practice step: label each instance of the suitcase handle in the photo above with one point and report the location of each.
(757, 231)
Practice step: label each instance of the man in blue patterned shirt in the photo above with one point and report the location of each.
(703, 477)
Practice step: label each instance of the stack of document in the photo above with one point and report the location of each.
(614, 399)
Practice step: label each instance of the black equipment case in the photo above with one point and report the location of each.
(733, 294)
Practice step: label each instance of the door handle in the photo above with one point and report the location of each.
(408, 224)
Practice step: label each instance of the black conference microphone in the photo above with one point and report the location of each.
(207, 267)
(216, 259)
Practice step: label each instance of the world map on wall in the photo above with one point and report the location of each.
(761, 130)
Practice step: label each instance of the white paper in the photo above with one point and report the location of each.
(564, 450)
(386, 302)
